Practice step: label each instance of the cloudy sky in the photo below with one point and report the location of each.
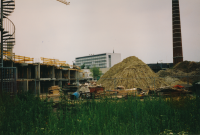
(141, 28)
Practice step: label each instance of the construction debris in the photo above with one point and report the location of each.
(96, 89)
(54, 90)
(131, 73)
(173, 81)
(183, 73)
(84, 89)
(175, 91)
(187, 66)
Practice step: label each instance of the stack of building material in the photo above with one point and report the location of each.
(55, 90)
(55, 62)
(22, 59)
(131, 73)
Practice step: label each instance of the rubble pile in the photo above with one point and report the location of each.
(55, 90)
(173, 81)
(182, 73)
(187, 66)
(131, 73)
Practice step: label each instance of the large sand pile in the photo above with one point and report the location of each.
(130, 73)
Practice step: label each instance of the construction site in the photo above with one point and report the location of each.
(132, 75)
(53, 97)
(38, 77)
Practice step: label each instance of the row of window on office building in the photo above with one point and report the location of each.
(98, 61)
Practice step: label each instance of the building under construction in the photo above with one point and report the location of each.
(21, 73)
(38, 77)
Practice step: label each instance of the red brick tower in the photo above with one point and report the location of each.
(177, 39)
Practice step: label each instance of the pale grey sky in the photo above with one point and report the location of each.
(141, 28)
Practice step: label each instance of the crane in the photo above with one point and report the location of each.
(64, 2)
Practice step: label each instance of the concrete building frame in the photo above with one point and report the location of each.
(38, 77)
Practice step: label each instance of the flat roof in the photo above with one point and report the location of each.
(95, 55)
(91, 56)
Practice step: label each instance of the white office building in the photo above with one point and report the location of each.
(104, 60)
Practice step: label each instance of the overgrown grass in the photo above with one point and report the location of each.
(27, 114)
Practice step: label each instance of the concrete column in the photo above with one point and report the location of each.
(53, 72)
(54, 83)
(16, 72)
(37, 71)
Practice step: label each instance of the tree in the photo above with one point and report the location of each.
(88, 67)
(95, 72)
(83, 66)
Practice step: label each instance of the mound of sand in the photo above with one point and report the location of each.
(130, 73)
(187, 66)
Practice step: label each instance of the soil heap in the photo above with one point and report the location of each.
(131, 73)
(186, 71)
(187, 66)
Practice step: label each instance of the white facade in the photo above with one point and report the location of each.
(104, 70)
(104, 60)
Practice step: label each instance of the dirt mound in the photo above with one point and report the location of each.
(171, 72)
(187, 66)
(183, 77)
(130, 73)
(172, 81)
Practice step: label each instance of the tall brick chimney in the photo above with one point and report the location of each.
(177, 38)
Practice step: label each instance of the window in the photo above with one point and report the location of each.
(109, 60)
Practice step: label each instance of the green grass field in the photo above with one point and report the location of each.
(27, 114)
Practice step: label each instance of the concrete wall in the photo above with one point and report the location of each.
(115, 58)
(104, 70)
